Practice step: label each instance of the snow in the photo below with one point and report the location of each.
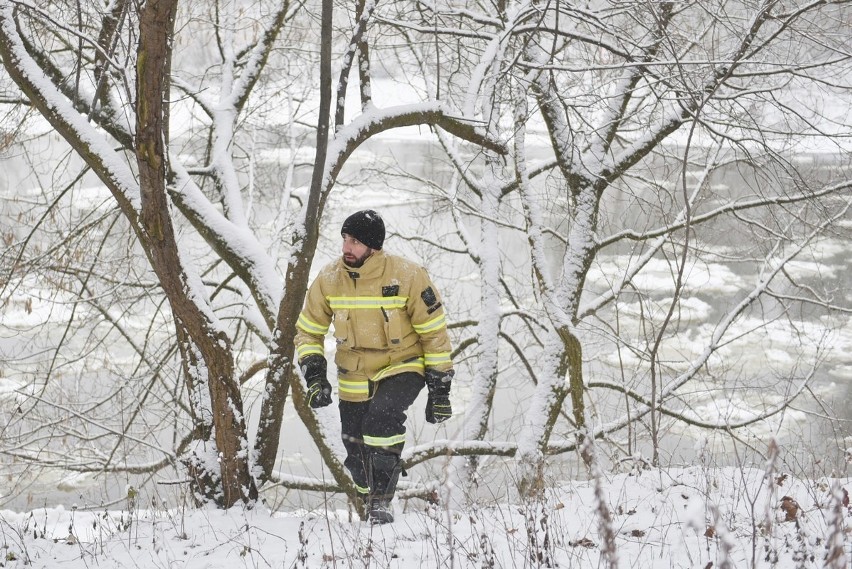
(660, 518)
(696, 517)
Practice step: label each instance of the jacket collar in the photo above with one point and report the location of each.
(372, 268)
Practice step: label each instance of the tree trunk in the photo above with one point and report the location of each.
(281, 375)
(155, 34)
(574, 364)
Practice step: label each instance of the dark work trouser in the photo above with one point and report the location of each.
(374, 431)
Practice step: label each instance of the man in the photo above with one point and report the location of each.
(392, 340)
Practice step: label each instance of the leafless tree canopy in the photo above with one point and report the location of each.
(632, 208)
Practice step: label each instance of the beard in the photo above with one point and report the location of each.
(356, 262)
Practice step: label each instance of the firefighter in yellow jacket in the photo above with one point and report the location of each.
(391, 336)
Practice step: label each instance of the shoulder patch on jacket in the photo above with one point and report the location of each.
(429, 297)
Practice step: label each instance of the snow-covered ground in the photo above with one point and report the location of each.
(696, 518)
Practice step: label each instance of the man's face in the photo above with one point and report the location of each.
(354, 252)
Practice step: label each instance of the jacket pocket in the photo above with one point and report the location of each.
(393, 327)
(346, 361)
(342, 331)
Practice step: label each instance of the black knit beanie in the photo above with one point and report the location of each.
(367, 227)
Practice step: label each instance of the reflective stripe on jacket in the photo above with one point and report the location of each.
(387, 317)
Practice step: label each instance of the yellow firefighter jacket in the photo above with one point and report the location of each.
(388, 318)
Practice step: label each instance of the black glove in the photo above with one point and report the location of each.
(319, 389)
(438, 408)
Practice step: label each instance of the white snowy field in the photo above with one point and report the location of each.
(696, 518)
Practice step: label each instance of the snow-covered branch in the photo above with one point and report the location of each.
(374, 121)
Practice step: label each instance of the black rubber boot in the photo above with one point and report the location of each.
(383, 470)
(380, 512)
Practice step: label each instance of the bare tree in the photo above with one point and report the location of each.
(652, 142)
(605, 159)
(111, 82)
